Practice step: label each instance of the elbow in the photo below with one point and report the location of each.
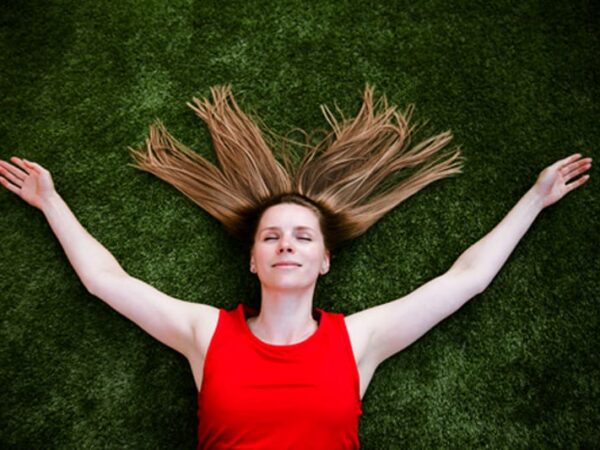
(480, 287)
(88, 280)
(91, 285)
(473, 281)
(481, 283)
(94, 283)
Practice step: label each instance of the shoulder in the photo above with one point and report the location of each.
(336, 324)
(220, 321)
(330, 318)
(358, 334)
(205, 324)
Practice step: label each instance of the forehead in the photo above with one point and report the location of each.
(289, 215)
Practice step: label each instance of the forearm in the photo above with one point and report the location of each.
(87, 256)
(485, 258)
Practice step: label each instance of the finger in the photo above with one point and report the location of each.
(576, 168)
(569, 159)
(572, 166)
(572, 158)
(19, 162)
(565, 166)
(5, 170)
(21, 174)
(575, 184)
(9, 186)
(32, 166)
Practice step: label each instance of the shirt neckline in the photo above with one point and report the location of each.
(246, 311)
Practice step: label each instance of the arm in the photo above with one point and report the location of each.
(384, 330)
(178, 324)
(87, 256)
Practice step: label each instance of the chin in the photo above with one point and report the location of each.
(289, 283)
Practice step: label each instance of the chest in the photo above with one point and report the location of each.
(255, 384)
(257, 395)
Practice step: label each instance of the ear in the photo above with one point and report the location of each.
(325, 263)
(252, 264)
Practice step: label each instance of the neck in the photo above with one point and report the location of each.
(285, 316)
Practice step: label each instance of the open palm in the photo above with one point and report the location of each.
(28, 180)
(553, 182)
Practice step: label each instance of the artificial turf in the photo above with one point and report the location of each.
(517, 82)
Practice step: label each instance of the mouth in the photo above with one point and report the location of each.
(286, 265)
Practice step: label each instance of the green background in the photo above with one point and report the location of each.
(517, 82)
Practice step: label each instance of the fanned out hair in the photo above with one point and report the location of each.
(361, 169)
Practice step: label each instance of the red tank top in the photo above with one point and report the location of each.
(256, 395)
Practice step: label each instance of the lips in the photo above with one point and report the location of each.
(286, 264)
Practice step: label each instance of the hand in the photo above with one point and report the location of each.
(551, 184)
(29, 180)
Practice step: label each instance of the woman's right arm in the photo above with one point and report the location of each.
(184, 326)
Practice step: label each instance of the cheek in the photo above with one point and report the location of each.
(316, 258)
(258, 255)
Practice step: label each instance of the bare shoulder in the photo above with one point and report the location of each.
(359, 340)
(204, 323)
(359, 335)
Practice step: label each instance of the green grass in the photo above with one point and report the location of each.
(517, 83)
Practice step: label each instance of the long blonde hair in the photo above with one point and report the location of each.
(360, 170)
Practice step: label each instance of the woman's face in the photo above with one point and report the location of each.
(289, 250)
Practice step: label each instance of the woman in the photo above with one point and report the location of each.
(291, 375)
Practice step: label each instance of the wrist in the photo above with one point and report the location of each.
(535, 200)
(47, 202)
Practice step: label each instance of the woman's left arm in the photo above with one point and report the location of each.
(384, 330)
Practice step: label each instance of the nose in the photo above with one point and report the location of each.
(285, 247)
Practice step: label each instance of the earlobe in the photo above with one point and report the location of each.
(252, 265)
